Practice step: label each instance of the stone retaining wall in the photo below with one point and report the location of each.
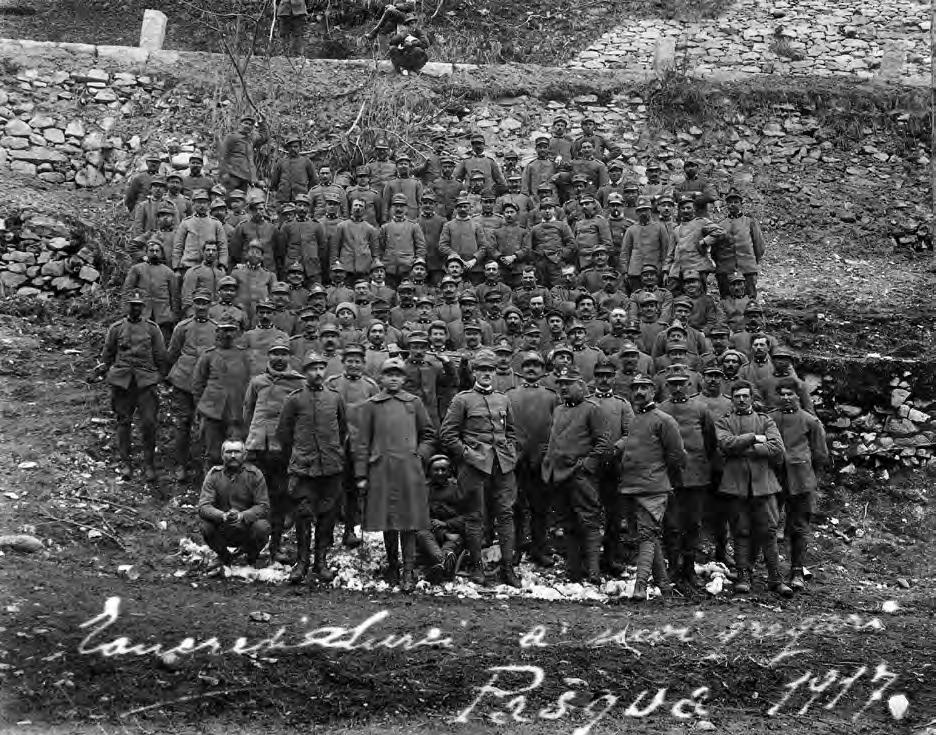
(888, 41)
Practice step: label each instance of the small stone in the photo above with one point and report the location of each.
(89, 274)
(106, 96)
(903, 583)
(53, 177)
(14, 144)
(90, 177)
(65, 283)
(850, 411)
(900, 427)
(93, 142)
(58, 243)
(510, 123)
(773, 130)
(28, 292)
(92, 75)
(40, 122)
(23, 167)
(899, 396)
(75, 129)
(12, 280)
(917, 416)
(54, 268)
(17, 128)
(54, 135)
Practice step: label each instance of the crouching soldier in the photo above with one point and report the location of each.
(806, 456)
(263, 403)
(394, 437)
(652, 461)
(445, 539)
(233, 506)
(312, 431)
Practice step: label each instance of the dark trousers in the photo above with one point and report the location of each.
(534, 500)
(214, 433)
(754, 526)
(717, 513)
(144, 402)
(799, 511)
(683, 524)
(650, 560)
(351, 511)
(502, 494)
(247, 538)
(273, 466)
(547, 272)
(612, 540)
(183, 409)
(580, 515)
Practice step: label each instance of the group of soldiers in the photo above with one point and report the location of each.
(453, 353)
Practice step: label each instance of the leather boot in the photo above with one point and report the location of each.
(743, 585)
(774, 580)
(645, 563)
(660, 577)
(320, 568)
(573, 556)
(408, 544)
(687, 572)
(592, 544)
(392, 545)
(303, 547)
(797, 580)
(350, 539)
(275, 536)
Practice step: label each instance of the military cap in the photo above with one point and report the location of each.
(685, 197)
(295, 267)
(332, 196)
(255, 197)
(354, 348)
(604, 365)
(561, 348)
(337, 266)
(677, 326)
(510, 205)
(677, 377)
(484, 358)
(278, 346)
(467, 296)
(199, 194)
(719, 330)
(654, 166)
(488, 194)
(362, 171)
(280, 287)
(587, 197)
(438, 324)
(532, 328)
(313, 358)
(666, 196)
(610, 275)
(393, 365)
(308, 312)
(511, 309)
(503, 345)
(167, 208)
(201, 295)
(733, 193)
(153, 157)
(236, 194)
(580, 179)
(174, 175)
(290, 139)
(406, 286)
(428, 196)
(329, 328)
(447, 279)
(676, 345)
(266, 305)
(541, 139)
(646, 297)
(632, 327)
(448, 158)
(378, 263)
(555, 312)
(228, 325)
(227, 281)
(135, 297)
(588, 118)
(399, 199)
(347, 306)
(560, 118)
(381, 143)
(616, 165)
(454, 256)
(615, 198)
(514, 176)
(424, 300)
(380, 305)
(472, 327)
(438, 459)
(569, 375)
(511, 155)
(692, 275)
(476, 173)
(218, 203)
(742, 358)
(532, 356)
(287, 208)
(158, 181)
(683, 301)
(575, 324)
(641, 379)
(630, 185)
(317, 289)
(218, 190)
(196, 157)
(544, 186)
(628, 348)
(493, 296)
(643, 203)
(753, 308)
(735, 277)
(462, 201)
(547, 202)
(476, 136)
(712, 368)
(403, 157)
(783, 351)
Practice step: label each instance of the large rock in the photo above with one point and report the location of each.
(41, 122)
(89, 274)
(65, 283)
(12, 280)
(17, 128)
(50, 227)
(54, 268)
(75, 129)
(38, 154)
(54, 135)
(23, 167)
(90, 177)
(14, 144)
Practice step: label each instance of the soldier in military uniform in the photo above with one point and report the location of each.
(225, 310)
(478, 431)
(190, 338)
(233, 506)
(263, 401)
(493, 177)
(135, 361)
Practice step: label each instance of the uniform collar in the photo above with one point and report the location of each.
(483, 391)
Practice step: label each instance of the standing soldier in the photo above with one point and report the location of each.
(717, 509)
(160, 286)
(196, 179)
(691, 244)
(394, 439)
(806, 456)
(618, 415)
(403, 184)
(291, 16)
(134, 359)
(356, 243)
(373, 199)
(256, 228)
(604, 148)
(355, 388)
(147, 210)
(254, 282)
(750, 443)
(578, 446)
(383, 169)
(478, 431)
(222, 373)
(540, 170)
(645, 244)
(742, 249)
(194, 232)
(551, 244)
(431, 224)
(294, 174)
(431, 167)
(478, 161)
(427, 375)
(190, 339)
(313, 432)
(683, 519)
(139, 184)
(401, 240)
(263, 402)
(225, 310)
(652, 460)
(560, 144)
(532, 406)
(236, 164)
(258, 340)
